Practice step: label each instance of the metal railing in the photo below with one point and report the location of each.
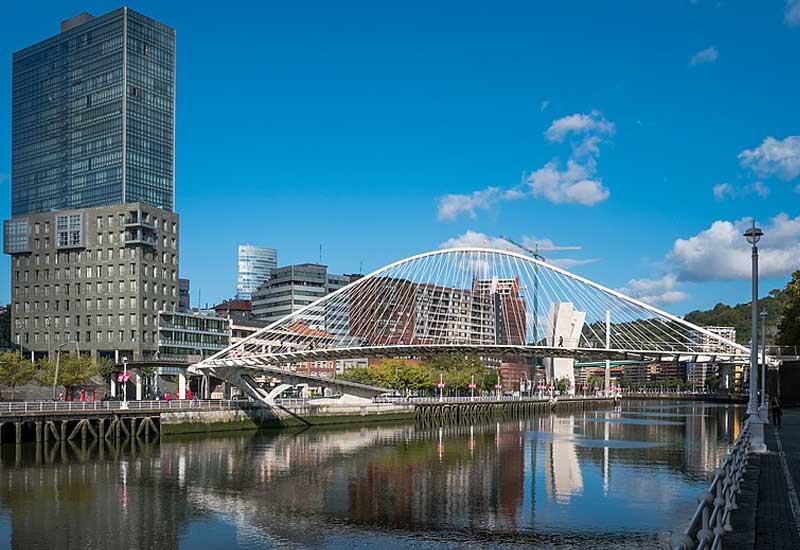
(784, 350)
(15, 407)
(487, 399)
(712, 518)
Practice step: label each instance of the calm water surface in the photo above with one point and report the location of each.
(622, 478)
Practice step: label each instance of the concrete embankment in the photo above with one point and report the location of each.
(708, 398)
(313, 414)
(255, 418)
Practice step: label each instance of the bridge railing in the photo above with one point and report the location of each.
(712, 518)
(22, 407)
(784, 350)
(482, 399)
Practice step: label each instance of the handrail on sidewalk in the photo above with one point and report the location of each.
(712, 518)
(24, 407)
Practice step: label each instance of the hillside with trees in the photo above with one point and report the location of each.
(783, 315)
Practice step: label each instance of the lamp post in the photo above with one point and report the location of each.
(19, 336)
(49, 338)
(124, 404)
(764, 403)
(753, 235)
(58, 363)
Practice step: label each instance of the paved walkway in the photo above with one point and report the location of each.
(769, 514)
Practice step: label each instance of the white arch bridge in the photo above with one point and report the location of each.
(493, 303)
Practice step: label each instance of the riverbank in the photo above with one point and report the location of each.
(312, 414)
(709, 398)
(280, 417)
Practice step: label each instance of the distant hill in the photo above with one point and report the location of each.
(739, 316)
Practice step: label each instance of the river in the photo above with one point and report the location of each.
(621, 478)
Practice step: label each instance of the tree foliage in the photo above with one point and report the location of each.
(15, 371)
(73, 370)
(789, 326)
(561, 384)
(106, 367)
(595, 381)
(738, 316)
(456, 370)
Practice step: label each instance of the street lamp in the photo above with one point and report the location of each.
(19, 336)
(764, 403)
(58, 363)
(124, 404)
(49, 338)
(753, 235)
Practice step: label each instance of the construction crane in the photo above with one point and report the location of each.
(534, 253)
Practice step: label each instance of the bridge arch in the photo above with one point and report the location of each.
(474, 300)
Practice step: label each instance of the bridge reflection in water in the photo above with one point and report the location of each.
(614, 478)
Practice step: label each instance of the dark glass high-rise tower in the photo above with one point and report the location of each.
(93, 112)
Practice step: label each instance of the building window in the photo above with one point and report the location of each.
(68, 230)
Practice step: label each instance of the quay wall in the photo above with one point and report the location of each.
(255, 418)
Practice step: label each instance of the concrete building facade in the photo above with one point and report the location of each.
(93, 238)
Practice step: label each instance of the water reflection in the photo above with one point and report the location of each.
(580, 480)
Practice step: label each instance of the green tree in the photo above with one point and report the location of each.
(453, 362)
(562, 384)
(15, 371)
(489, 379)
(410, 376)
(73, 370)
(596, 382)
(106, 367)
(360, 375)
(789, 325)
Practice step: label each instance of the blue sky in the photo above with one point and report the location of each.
(380, 131)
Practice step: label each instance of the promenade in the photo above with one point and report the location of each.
(769, 512)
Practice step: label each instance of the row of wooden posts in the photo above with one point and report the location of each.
(101, 428)
(435, 413)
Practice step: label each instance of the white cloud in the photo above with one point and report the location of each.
(792, 14)
(721, 190)
(477, 239)
(708, 55)
(569, 263)
(581, 124)
(774, 158)
(577, 183)
(545, 103)
(450, 206)
(574, 184)
(722, 253)
(545, 245)
(655, 291)
(759, 189)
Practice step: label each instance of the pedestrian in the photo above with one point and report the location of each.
(776, 411)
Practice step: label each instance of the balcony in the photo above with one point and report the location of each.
(137, 218)
(140, 236)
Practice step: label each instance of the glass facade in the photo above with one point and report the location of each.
(93, 116)
(255, 266)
